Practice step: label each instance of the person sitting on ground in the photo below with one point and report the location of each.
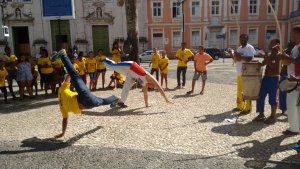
(117, 79)
(201, 59)
(133, 71)
(3, 76)
(269, 83)
(75, 102)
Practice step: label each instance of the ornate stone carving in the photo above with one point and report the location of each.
(18, 14)
(95, 12)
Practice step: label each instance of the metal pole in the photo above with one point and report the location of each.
(182, 11)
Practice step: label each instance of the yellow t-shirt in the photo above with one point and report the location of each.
(67, 100)
(91, 65)
(184, 55)
(100, 63)
(81, 66)
(162, 63)
(76, 67)
(155, 60)
(116, 54)
(3, 74)
(9, 61)
(45, 61)
(58, 64)
(120, 78)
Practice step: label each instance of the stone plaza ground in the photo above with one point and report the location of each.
(196, 131)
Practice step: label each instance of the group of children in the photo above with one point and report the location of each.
(23, 70)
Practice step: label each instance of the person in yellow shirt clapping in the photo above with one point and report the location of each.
(101, 68)
(3, 76)
(80, 61)
(155, 58)
(163, 66)
(182, 55)
(91, 69)
(116, 52)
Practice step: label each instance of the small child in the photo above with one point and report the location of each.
(34, 79)
(101, 68)
(91, 70)
(3, 76)
(163, 66)
(117, 79)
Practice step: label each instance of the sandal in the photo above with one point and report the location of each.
(259, 118)
(270, 120)
(189, 92)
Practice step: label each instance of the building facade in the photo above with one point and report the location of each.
(218, 23)
(97, 24)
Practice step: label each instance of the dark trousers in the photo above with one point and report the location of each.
(85, 97)
(156, 73)
(181, 70)
(4, 91)
(11, 76)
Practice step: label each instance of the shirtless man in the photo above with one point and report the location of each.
(269, 83)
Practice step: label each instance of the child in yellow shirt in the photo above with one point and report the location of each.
(163, 66)
(91, 69)
(3, 76)
(101, 68)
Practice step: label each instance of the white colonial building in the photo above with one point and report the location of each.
(97, 24)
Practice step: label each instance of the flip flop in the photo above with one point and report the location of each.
(259, 119)
(270, 121)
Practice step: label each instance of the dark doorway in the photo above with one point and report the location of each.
(21, 40)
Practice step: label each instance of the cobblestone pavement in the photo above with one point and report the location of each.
(191, 133)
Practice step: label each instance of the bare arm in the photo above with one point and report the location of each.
(64, 128)
(145, 91)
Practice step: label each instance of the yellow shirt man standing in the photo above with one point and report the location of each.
(182, 55)
(155, 58)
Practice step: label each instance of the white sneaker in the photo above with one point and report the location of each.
(183, 87)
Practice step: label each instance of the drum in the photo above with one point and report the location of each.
(288, 86)
(251, 79)
(251, 69)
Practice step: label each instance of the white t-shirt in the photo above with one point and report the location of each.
(247, 51)
(294, 54)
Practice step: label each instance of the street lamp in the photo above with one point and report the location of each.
(182, 24)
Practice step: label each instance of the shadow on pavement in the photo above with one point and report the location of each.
(119, 112)
(238, 129)
(48, 144)
(261, 152)
(184, 96)
(19, 106)
(216, 118)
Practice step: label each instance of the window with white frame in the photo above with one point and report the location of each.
(233, 38)
(156, 9)
(195, 8)
(273, 5)
(195, 40)
(158, 40)
(253, 34)
(176, 9)
(253, 7)
(215, 7)
(234, 6)
(176, 41)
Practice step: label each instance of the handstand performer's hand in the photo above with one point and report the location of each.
(59, 135)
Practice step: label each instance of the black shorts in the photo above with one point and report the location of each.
(101, 70)
(47, 78)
